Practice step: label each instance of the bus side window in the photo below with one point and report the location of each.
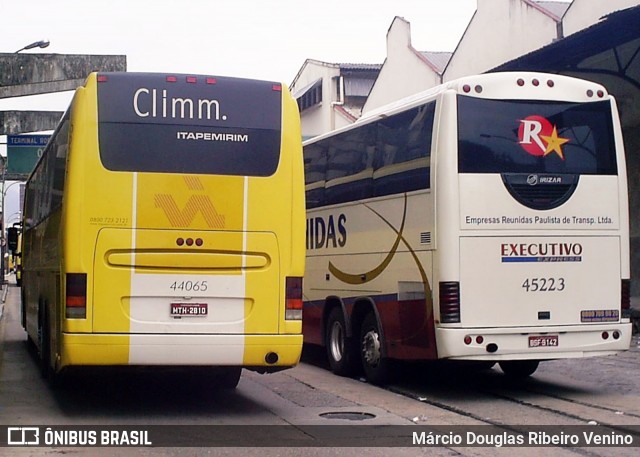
(350, 166)
(404, 151)
(315, 165)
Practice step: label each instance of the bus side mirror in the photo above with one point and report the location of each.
(12, 239)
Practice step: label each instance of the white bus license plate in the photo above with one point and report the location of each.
(189, 309)
(543, 341)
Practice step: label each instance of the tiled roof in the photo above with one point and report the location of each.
(360, 66)
(438, 59)
(556, 8)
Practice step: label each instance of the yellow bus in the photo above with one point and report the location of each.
(164, 226)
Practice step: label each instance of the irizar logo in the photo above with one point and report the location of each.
(534, 180)
(539, 137)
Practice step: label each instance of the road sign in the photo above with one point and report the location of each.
(23, 152)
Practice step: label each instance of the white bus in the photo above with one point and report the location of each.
(483, 220)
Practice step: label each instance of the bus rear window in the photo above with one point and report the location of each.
(523, 136)
(189, 124)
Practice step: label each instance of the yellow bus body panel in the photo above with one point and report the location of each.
(128, 232)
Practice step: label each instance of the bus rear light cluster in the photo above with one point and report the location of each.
(615, 335)
(599, 93)
(76, 296)
(535, 82)
(189, 242)
(467, 88)
(293, 299)
(450, 302)
(479, 339)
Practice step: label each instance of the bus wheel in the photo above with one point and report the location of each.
(519, 368)
(340, 351)
(376, 367)
(44, 342)
(228, 377)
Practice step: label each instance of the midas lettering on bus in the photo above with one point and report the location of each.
(540, 249)
(327, 233)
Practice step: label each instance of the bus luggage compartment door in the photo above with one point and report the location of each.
(529, 281)
(202, 282)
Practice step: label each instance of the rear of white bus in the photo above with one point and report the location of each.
(532, 222)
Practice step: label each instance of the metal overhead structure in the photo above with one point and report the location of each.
(608, 53)
(34, 74)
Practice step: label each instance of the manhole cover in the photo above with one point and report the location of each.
(352, 416)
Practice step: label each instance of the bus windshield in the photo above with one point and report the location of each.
(523, 136)
(151, 123)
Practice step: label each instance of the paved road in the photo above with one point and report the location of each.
(573, 393)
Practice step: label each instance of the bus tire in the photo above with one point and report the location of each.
(227, 378)
(376, 367)
(340, 350)
(518, 369)
(47, 369)
(44, 335)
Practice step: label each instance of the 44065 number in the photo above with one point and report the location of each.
(189, 286)
(544, 285)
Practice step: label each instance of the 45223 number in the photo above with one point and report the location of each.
(544, 284)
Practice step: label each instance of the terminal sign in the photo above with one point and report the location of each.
(23, 152)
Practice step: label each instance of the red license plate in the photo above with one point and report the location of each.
(189, 309)
(543, 341)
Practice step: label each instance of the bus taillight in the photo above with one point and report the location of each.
(625, 295)
(450, 302)
(76, 296)
(293, 306)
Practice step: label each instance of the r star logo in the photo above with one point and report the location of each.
(540, 138)
(554, 143)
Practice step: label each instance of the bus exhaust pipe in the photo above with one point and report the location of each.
(492, 347)
(271, 358)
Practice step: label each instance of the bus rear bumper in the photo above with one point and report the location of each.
(521, 343)
(272, 351)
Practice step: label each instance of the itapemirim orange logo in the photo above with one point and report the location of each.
(197, 203)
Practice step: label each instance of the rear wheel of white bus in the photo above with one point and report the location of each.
(376, 367)
(340, 351)
(519, 368)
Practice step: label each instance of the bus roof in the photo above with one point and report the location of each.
(502, 85)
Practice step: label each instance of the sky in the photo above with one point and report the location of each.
(262, 39)
(259, 39)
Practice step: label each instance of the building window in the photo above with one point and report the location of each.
(311, 97)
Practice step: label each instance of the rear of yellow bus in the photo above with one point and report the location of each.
(183, 223)
(539, 268)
